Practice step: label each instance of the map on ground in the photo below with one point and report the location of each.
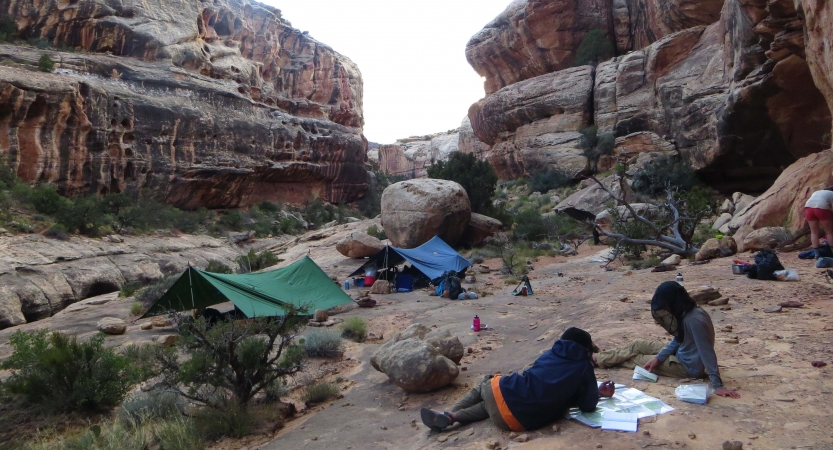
(627, 400)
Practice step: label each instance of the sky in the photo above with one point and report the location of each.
(411, 55)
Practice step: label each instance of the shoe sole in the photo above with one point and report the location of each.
(434, 421)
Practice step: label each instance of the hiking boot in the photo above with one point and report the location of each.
(434, 420)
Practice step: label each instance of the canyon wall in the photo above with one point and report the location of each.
(732, 86)
(411, 157)
(217, 104)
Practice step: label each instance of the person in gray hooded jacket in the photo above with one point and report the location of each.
(689, 354)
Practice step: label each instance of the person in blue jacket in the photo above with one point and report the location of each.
(559, 379)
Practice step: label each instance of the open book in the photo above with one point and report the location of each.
(620, 421)
(641, 374)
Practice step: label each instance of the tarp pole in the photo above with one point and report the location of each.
(191, 285)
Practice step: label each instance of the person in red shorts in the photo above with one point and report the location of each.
(819, 213)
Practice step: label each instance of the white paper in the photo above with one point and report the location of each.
(643, 375)
(620, 421)
(625, 400)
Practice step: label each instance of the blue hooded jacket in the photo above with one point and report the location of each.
(560, 379)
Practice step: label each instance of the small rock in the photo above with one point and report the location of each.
(623, 298)
(791, 304)
(112, 326)
(736, 445)
(442, 438)
(522, 438)
(673, 260)
(320, 316)
(469, 350)
(599, 446)
(160, 322)
(167, 340)
(732, 341)
(471, 279)
(383, 427)
(773, 309)
(484, 269)
(819, 364)
(147, 326)
(692, 435)
(556, 428)
(704, 294)
(488, 347)
(646, 433)
(725, 308)
(464, 368)
(719, 302)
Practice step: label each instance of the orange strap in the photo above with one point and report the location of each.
(507, 415)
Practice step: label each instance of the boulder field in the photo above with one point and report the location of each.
(218, 104)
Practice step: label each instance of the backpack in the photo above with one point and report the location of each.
(450, 283)
(766, 264)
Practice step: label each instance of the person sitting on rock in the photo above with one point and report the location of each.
(558, 380)
(689, 354)
(819, 214)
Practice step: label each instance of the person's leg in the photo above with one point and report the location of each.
(472, 398)
(814, 229)
(827, 226)
(671, 367)
(623, 356)
(469, 409)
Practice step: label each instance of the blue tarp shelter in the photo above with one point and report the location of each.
(432, 258)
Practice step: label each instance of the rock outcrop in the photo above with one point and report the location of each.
(717, 248)
(112, 326)
(479, 228)
(418, 359)
(786, 198)
(732, 87)
(39, 276)
(414, 211)
(359, 245)
(218, 104)
(411, 157)
(592, 200)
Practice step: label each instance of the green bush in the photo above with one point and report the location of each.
(61, 373)
(46, 200)
(326, 343)
(293, 355)
(7, 29)
(376, 232)
(594, 48)
(229, 420)
(663, 173)
(595, 145)
(145, 406)
(319, 391)
(477, 178)
(371, 204)
(85, 215)
(215, 266)
(232, 220)
(136, 309)
(154, 291)
(530, 225)
(129, 289)
(548, 179)
(646, 263)
(277, 390)
(354, 328)
(254, 261)
(268, 207)
(45, 63)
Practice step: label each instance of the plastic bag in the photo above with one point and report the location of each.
(693, 393)
(787, 275)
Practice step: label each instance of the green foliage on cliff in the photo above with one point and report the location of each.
(663, 173)
(371, 204)
(45, 63)
(595, 145)
(477, 178)
(548, 179)
(7, 29)
(594, 48)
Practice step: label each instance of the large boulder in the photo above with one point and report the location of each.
(724, 219)
(784, 201)
(592, 200)
(112, 325)
(415, 211)
(769, 237)
(717, 248)
(359, 245)
(479, 228)
(418, 359)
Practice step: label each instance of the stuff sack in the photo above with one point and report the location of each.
(453, 286)
(768, 263)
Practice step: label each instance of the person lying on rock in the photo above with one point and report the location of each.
(558, 380)
(689, 354)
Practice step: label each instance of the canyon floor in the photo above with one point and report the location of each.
(785, 402)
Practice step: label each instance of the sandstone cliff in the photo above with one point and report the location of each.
(411, 157)
(736, 91)
(216, 104)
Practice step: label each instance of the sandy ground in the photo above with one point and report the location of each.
(786, 403)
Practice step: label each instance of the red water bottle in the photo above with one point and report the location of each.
(476, 323)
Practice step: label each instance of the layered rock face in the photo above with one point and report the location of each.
(216, 104)
(411, 157)
(729, 89)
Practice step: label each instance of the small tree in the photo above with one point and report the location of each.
(548, 179)
(45, 63)
(658, 175)
(254, 261)
(231, 360)
(595, 145)
(477, 178)
(7, 29)
(594, 48)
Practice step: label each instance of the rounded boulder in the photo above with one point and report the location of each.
(415, 365)
(112, 325)
(359, 245)
(414, 211)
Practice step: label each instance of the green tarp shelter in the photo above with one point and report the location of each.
(264, 294)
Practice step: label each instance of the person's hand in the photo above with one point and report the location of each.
(652, 365)
(607, 389)
(723, 392)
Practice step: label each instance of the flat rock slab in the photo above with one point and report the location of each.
(773, 309)
(791, 304)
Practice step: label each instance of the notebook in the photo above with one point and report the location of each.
(641, 374)
(620, 421)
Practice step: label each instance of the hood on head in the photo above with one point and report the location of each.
(570, 350)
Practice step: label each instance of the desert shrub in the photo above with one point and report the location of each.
(319, 391)
(326, 343)
(477, 177)
(548, 179)
(293, 355)
(223, 366)
(532, 226)
(136, 308)
(179, 433)
(57, 232)
(663, 173)
(85, 215)
(154, 291)
(376, 232)
(647, 263)
(275, 391)
(371, 204)
(232, 220)
(130, 289)
(45, 63)
(254, 261)
(354, 328)
(46, 200)
(215, 266)
(230, 419)
(268, 207)
(594, 48)
(7, 29)
(61, 373)
(595, 145)
(146, 406)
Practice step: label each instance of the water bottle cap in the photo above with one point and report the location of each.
(475, 317)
